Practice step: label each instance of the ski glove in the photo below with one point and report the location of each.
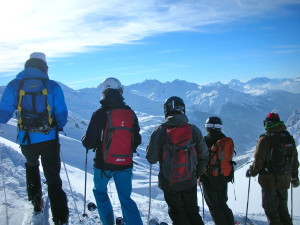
(295, 182)
(249, 173)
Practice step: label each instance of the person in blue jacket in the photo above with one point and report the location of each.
(35, 144)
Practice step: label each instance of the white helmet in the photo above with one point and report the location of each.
(111, 83)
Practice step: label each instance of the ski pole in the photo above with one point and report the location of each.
(247, 201)
(202, 201)
(292, 202)
(71, 190)
(3, 180)
(86, 155)
(149, 209)
(234, 192)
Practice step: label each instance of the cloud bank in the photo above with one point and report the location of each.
(65, 27)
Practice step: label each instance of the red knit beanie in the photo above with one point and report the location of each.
(273, 117)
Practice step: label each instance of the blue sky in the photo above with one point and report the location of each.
(200, 41)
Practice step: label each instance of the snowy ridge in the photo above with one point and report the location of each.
(14, 176)
(261, 85)
(238, 103)
(293, 125)
(242, 113)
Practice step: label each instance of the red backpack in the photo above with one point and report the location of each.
(117, 145)
(179, 158)
(221, 163)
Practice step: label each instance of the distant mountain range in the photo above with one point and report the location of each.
(241, 105)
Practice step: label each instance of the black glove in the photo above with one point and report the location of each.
(249, 173)
(295, 182)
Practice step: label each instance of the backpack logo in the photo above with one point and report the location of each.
(117, 141)
(281, 153)
(179, 158)
(220, 159)
(33, 107)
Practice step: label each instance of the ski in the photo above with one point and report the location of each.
(153, 222)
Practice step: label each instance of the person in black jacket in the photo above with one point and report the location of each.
(215, 187)
(94, 138)
(181, 197)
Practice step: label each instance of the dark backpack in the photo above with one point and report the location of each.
(117, 142)
(220, 159)
(179, 159)
(33, 107)
(281, 155)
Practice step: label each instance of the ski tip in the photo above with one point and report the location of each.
(155, 222)
(120, 221)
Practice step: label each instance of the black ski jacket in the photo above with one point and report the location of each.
(155, 149)
(93, 137)
(210, 182)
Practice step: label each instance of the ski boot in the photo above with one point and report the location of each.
(38, 204)
(120, 221)
(60, 221)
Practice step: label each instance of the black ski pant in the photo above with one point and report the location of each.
(275, 206)
(49, 151)
(183, 207)
(216, 201)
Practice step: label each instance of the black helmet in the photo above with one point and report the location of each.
(174, 104)
(213, 123)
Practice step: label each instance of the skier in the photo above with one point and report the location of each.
(215, 185)
(38, 132)
(180, 192)
(276, 162)
(113, 152)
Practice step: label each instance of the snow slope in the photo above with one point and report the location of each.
(19, 209)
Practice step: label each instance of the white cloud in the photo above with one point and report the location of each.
(64, 27)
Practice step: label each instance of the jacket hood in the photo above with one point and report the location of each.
(176, 120)
(113, 98)
(31, 72)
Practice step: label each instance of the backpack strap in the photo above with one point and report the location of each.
(21, 110)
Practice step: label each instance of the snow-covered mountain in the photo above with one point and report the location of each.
(241, 106)
(261, 84)
(241, 111)
(15, 209)
(293, 125)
